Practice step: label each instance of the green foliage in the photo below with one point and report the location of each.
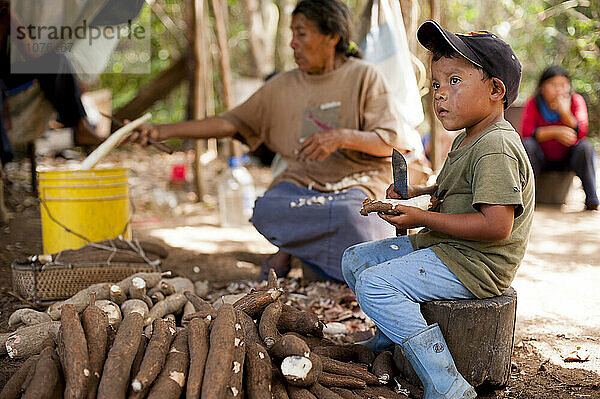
(166, 46)
(542, 33)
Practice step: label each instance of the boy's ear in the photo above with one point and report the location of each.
(498, 90)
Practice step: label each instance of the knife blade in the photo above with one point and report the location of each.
(399, 171)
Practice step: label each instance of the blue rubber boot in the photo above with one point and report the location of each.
(429, 356)
(378, 343)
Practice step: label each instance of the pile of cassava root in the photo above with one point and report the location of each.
(152, 337)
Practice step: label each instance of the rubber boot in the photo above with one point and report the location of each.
(429, 356)
(378, 343)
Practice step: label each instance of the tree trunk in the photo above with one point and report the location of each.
(201, 89)
(479, 334)
(261, 30)
(284, 55)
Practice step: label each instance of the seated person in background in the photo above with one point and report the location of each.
(60, 88)
(334, 122)
(475, 232)
(554, 125)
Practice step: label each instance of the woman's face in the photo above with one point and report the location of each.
(554, 88)
(314, 52)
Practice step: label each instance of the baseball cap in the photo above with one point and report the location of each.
(482, 48)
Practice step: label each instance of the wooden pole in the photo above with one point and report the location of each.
(284, 54)
(200, 87)
(221, 31)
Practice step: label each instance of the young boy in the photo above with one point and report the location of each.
(476, 230)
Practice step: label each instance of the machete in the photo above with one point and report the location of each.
(399, 171)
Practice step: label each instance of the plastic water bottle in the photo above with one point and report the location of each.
(236, 193)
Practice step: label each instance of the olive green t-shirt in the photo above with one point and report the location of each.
(492, 169)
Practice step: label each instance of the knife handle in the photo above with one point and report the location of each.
(160, 146)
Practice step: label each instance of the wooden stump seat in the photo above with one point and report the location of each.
(552, 187)
(479, 334)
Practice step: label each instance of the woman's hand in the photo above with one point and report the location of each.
(143, 133)
(410, 217)
(565, 135)
(562, 104)
(321, 144)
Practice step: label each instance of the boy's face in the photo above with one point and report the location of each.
(461, 96)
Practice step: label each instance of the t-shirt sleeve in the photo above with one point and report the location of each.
(579, 109)
(248, 118)
(379, 112)
(496, 181)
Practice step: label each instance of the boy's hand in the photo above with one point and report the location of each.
(410, 217)
(390, 193)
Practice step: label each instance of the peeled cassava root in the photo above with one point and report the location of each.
(302, 371)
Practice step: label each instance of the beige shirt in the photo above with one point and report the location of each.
(294, 105)
(491, 169)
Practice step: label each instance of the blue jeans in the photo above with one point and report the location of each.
(390, 279)
(318, 233)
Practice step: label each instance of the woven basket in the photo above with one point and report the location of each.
(53, 282)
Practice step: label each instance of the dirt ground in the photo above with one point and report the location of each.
(558, 296)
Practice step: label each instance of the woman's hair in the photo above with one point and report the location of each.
(331, 17)
(552, 71)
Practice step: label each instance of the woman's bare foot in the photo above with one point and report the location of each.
(280, 261)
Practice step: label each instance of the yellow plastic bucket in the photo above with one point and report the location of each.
(81, 206)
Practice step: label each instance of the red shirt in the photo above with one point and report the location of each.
(532, 119)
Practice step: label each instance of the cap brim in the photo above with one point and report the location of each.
(430, 34)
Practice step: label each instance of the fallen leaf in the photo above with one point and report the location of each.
(578, 355)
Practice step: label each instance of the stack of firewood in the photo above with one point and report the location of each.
(125, 340)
